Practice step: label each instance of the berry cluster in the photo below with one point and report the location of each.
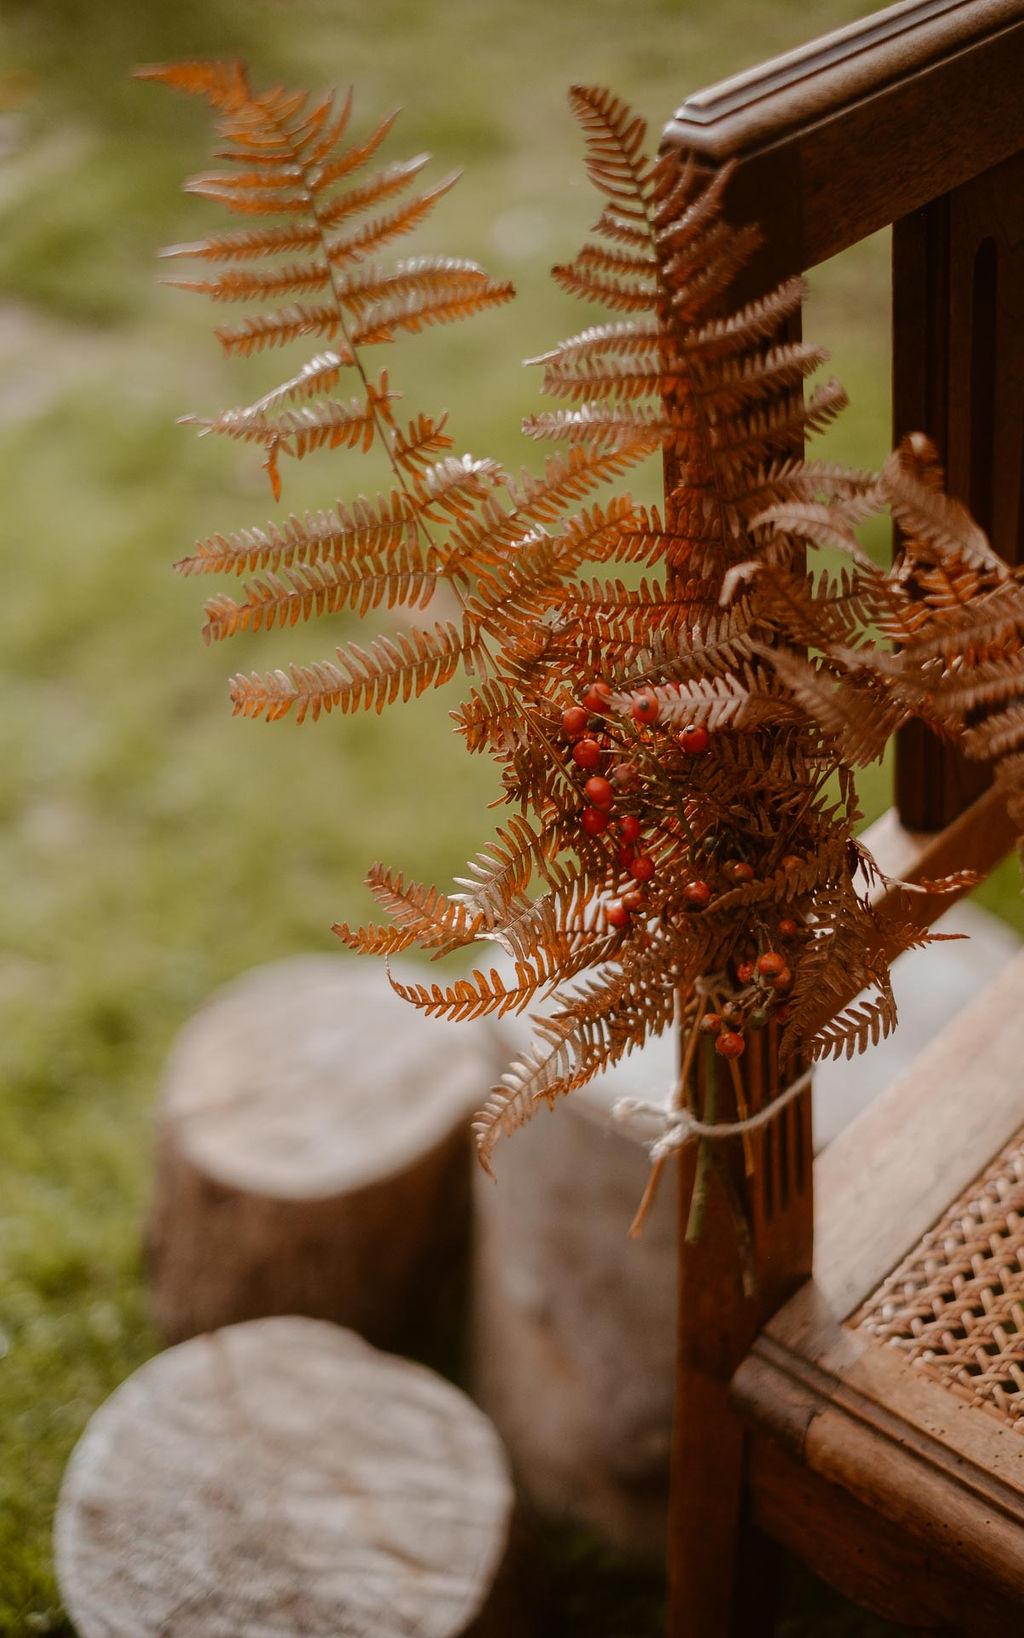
(615, 763)
(764, 981)
(588, 726)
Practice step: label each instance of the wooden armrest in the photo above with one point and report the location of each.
(861, 127)
(870, 1465)
(979, 839)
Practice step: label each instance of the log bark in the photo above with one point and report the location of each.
(312, 1155)
(282, 1478)
(573, 1327)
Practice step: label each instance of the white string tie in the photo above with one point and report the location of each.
(666, 1131)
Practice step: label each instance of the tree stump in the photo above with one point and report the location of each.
(574, 1322)
(283, 1478)
(313, 1155)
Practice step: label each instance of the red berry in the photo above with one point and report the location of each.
(629, 828)
(745, 971)
(788, 928)
(771, 964)
(696, 894)
(732, 1012)
(615, 913)
(593, 821)
(598, 791)
(790, 861)
(645, 706)
(623, 776)
(730, 1045)
(739, 871)
(574, 721)
(694, 739)
(597, 696)
(643, 868)
(587, 753)
(711, 1024)
(782, 980)
(626, 857)
(634, 899)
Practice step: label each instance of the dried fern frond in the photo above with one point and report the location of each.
(675, 698)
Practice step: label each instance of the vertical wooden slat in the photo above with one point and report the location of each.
(958, 375)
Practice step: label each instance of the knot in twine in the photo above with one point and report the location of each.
(666, 1131)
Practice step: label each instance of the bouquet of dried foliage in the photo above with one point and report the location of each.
(679, 701)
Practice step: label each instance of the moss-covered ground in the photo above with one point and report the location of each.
(151, 847)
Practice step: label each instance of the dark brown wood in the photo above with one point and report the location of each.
(918, 1146)
(726, 1292)
(958, 374)
(910, 116)
(858, 1551)
(866, 125)
(904, 1496)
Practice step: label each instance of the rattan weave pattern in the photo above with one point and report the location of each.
(955, 1304)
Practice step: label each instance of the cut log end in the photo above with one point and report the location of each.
(283, 1478)
(312, 1154)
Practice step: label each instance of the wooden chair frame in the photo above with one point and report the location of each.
(914, 117)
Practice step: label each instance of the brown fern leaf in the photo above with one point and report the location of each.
(319, 589)
(372, 236)
(502, 871)
(859, 723)
(301, 278)
(614, 146)
(447, 302)
(252, 243)
(278, 328)
(420, 445)
(759, 321)
(492, 718)
(599, 427)
(579, 1044)
(999, 733)
(320, 374)
(353, 159)
(854, 1029)
(299, 432)
(374, 941)
(607, 377)
(477, 995)
(436, 922)
(346, 534)
(933, 521)
(488, 539)
(632, 338)
(620, 294)
(225, 85)
(402, 667)
(455, 486)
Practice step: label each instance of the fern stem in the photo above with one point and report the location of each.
(705, 1150)
(385, 432)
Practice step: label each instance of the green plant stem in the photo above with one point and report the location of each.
(705, 1157)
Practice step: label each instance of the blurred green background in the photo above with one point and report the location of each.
(153, 847)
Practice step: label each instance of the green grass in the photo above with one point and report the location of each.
(152, 847)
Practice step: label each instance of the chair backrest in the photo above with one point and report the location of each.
(913, 117)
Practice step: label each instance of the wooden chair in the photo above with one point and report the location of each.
(875, 1421)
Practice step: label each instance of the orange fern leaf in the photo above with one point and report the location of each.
(395, 668)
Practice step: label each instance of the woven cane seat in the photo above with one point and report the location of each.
(955, 1305)
(886, 1398)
